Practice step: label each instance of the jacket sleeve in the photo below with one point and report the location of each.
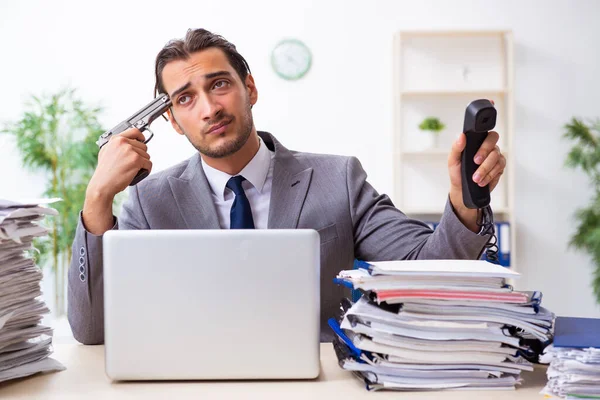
(382, 232)
(85, 310)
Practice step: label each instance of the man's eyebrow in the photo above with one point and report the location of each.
(181, 89)
(218, 73)
(207, 76)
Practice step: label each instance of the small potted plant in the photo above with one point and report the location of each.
(433, 125)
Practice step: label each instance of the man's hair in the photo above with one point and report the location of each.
(197, 40)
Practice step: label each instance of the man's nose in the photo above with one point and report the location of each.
(210, 109)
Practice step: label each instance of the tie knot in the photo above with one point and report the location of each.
(235, 184)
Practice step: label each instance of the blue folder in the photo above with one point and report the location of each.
(577, 332)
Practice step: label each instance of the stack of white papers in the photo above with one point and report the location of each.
(574, 359)
(443, 324)
(25, 344)
(572, 372)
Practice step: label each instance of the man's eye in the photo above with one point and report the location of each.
(221, 84)
(183, 100)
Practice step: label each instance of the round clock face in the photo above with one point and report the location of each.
(291, 59)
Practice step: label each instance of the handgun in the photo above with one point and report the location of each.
(140, 120)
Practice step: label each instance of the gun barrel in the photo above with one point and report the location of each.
(141, 119)
(154, 109)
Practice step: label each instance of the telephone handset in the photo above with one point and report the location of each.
(480, 118)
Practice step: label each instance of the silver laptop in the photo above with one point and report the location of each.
(211, 304)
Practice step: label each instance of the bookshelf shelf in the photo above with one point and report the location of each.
(438, 73)
(497, 92)
(434, 153)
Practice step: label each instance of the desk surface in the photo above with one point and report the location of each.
(85, 379)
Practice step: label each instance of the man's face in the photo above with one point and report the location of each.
(211, 104)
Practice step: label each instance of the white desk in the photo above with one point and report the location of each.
(85, 379)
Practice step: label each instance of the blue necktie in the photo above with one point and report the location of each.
(241, 213)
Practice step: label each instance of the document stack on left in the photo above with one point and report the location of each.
(25, 344)
(439, 324)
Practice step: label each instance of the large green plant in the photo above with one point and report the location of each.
(56, 135)
(585, 154)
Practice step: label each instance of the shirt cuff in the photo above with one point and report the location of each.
(451, 213)
(115, 224)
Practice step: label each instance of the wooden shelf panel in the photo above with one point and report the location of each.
(426, 153)
(432, 153)
(405, 34)
(477, 92)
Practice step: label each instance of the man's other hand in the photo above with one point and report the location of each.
(491, 163)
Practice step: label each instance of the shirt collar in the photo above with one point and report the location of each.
(255, 172)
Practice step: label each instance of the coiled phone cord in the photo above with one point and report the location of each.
(485, 220)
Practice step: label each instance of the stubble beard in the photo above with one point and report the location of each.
(230, 146)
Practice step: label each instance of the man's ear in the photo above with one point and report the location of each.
(252, 91)
(174, 123)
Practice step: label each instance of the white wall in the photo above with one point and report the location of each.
(344, 105)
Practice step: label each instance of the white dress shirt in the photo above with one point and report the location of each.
(257, 186)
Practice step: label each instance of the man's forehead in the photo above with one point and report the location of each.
(200, 63)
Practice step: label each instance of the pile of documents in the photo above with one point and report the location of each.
(439, 324)
(25, 344)
(574, 359)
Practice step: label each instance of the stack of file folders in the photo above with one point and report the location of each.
(574, 359)
(439, 324)
(25, 344)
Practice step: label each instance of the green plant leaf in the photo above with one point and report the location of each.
(432, 124)
(56, 135)
(585, 155)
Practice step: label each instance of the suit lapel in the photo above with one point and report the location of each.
(193, 197)
(291, 181)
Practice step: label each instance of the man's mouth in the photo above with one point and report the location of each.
(218, 128)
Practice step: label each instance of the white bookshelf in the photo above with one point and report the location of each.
(438, 73)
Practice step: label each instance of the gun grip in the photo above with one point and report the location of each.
(474, 196)
(142, 173)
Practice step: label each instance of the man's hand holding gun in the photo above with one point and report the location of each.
(123, 160)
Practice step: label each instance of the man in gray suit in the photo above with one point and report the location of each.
(241, 178)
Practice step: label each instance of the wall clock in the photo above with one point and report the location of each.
(291, 59)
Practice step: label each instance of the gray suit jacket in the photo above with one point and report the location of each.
(323, 192)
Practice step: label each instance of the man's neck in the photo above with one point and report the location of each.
(236, 162)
